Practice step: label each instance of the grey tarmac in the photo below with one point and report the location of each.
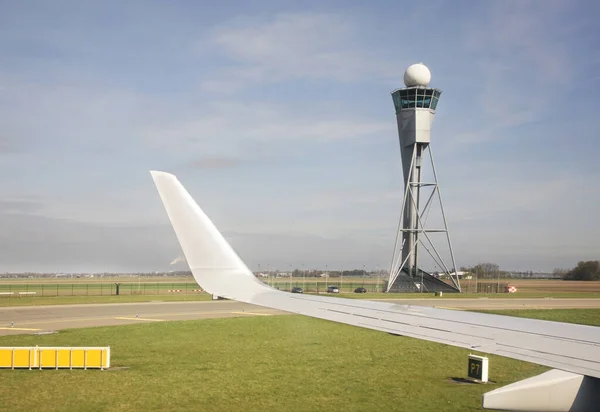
(40, 319)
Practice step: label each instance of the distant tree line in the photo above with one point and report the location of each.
(489, 270)
(588, 270)
(485, 270)
(332, 273)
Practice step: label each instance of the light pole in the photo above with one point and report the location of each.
(364, 275)
(291, 274)
(303, 277)
(377, 287)
(341, 279)
(498, 282)
(326, 276)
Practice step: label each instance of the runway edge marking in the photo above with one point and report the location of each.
(251, 313)
(143, 319)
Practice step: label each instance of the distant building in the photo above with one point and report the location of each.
(459, 275)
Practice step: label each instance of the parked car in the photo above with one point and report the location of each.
(360, 290)
(297, 290)
(333, 289)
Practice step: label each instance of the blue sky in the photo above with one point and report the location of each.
(277, 116)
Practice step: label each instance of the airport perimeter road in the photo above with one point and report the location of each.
(34, 319)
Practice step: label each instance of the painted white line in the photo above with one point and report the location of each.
(251, 313)
(146, 319)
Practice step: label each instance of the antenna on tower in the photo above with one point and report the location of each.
(415, 110)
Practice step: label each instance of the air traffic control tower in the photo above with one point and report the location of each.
(415, 109)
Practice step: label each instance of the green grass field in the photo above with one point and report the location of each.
(279, 363)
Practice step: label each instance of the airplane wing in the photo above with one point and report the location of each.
(573, 350)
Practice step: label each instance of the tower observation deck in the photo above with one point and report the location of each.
(415, 110)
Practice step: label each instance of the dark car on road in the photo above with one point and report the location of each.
(360, 290)
(297, 290)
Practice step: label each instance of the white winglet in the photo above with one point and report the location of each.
(214, 264)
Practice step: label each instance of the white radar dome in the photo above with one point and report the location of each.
(417, 75)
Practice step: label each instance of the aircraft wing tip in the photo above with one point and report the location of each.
(157, 174)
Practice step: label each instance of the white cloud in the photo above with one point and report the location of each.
(292, 46)
(59, 115)
(215, 162)
(122, 134)
(520, 59)
(69, 118)
(229, 128)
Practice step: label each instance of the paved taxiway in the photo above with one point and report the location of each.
(35, 319)
(32, 319)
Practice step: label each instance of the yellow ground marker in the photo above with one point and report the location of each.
(251, 313)
(146, 319)
(2, 328)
